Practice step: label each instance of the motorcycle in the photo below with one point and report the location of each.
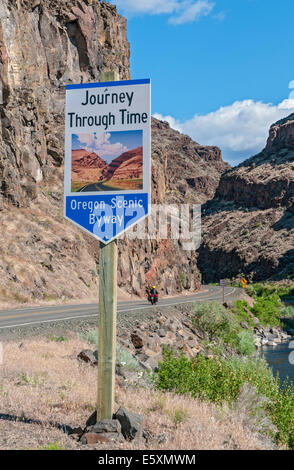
(153, 298)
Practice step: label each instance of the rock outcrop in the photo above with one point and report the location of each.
(45, 45)
(183, 170)
(128, 165)
(175, 159)
(248, 226)
(83, 159)
(86, 167)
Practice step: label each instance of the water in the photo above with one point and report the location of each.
(278, 359)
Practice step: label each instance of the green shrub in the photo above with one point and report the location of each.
(123, 356)
(180, 416)
(287, 312)
(58, 339)
(217, 322)
(214, 379)
(260, 289)
(126, 358)
(52, 446)
(240, 310)
(246, 344)
(90, 337)
(183, 280)
(221, 380)
(281, 408)
(268, 310)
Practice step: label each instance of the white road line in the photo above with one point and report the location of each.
(95, 314)
(47, 321)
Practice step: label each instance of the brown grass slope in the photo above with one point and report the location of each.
(42, 381)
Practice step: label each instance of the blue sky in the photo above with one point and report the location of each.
(107, 145)
(220, 69)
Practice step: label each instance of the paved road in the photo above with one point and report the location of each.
(34, 315)
(93, 187)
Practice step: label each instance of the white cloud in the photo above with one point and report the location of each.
(101, 145)
(240, 130)
(182, 11)
(152, 7)
(221, 16)
(193, 12)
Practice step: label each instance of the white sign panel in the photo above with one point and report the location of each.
(107, 156)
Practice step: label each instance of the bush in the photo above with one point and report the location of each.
(268, 310)
(266, 289)
(180, 416)
(52, 446)
(214, 379)
(126, 358)
(287, 312)
(58, 339)
(123, 356)
(221, 381)
(246, 344)
(240, 310)
(213, 318)
(90, 337)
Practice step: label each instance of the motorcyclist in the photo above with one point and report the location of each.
(153, 291)
(153, 294)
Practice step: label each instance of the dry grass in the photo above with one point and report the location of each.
(43, 380)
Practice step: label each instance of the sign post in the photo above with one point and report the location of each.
(107, 189)
(223, 283)
(107, 329)
(107, 319)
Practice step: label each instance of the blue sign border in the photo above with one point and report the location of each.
(89, 213)
(107, 84)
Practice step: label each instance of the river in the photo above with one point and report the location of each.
(278, 359)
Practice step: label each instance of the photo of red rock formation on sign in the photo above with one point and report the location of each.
(110, 161)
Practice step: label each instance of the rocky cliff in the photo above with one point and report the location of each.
(43, 46)
(128, 165)
(248, 227)
(176, 160)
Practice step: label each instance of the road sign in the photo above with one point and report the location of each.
(223, 283)
(244, 282)
(107, 156)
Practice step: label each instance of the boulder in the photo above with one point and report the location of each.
(92, 419)
(131, 423)
(150, 364)
(101, 438)
(105, 425)
(88, 356)
(228, 304)
(161, 332)
(137, 340)
(104, 431)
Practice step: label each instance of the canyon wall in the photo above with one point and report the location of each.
(44, 45)
(248, 227)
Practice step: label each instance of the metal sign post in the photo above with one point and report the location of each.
(223, 283)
